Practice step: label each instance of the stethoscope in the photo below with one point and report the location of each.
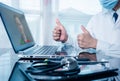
(66, 66)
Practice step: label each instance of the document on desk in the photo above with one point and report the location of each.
(101, 74)
(96, 69)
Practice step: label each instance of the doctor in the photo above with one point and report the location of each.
(102, 33)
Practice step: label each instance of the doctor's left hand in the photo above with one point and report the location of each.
(85, 40)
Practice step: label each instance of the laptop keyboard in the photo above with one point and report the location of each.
(46, 50)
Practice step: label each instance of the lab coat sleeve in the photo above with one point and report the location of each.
(103, 46)
(109, 49)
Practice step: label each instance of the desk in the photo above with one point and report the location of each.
(8, 60)
(20, 69)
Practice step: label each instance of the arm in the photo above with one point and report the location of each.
(109, 49)
(103, 47)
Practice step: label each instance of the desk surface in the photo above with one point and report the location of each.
(82, 76)
(8, 59)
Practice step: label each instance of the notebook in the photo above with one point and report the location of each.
(20, 36)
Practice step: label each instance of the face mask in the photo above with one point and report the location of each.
(108, 4)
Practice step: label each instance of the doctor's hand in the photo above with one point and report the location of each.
(85, 40)
(59, 33)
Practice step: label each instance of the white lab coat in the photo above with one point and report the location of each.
(103, 27)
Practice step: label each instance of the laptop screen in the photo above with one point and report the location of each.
(16, 26)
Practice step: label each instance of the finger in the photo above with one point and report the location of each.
(82, 44)
(58, 22)
(84, 29)
(80, 41)
(58, 29)
(56, 38)
(56, 35)
(80, 37)
(56, 32)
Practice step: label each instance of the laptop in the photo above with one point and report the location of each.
(20, 36)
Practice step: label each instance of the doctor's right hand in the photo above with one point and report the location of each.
(59, 32)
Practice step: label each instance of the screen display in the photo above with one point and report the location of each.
(16, 26)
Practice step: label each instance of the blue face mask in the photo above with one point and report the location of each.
(108, 4)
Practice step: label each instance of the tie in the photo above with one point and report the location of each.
(115, 15)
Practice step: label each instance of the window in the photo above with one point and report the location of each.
(86, 6)
(41, 15)
(74, 13)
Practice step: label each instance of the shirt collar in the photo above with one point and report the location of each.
(118, 11)
(106, 11)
